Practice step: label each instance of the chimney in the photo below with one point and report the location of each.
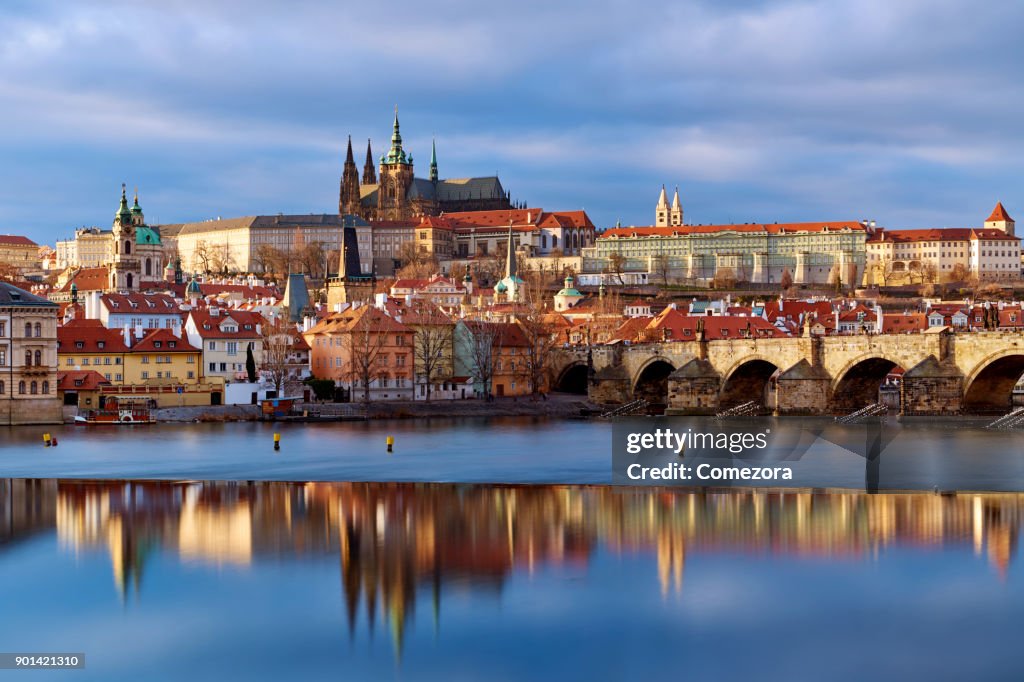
(138, 331)
(127, 336)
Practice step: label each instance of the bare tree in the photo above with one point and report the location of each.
(432, 343)
(278, 337)
(364, 341)
(201, 257)
(415, 263)
(787, 280)
(484, 346)
(960, 273)
(725, 278)
(616, 264)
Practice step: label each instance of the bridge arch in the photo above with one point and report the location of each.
(651, 381)
(573, 378)
(989, 387)
(748, 379)
(858, 383)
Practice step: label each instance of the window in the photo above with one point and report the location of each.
(3, 357)
(145, 359)
(232, 348)
(34, 388)
(213, 366)
(28, 330)
(145, 375)
(3, 328)
(28, 358)
(46, 388)
(21, 388)
(39, 358)
(191, 360)
(70, 362)
(191, 375)
(118, 377)
(39, 330)
(223, 366)
(213, 345)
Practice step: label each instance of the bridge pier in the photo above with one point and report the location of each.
(611, 385)
(803, 389)
(932, 387)
(693, 389)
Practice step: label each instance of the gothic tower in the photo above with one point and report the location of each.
(348, 198)
(661, 212)
(369, 172)
(676, 213)
(433, 162)
(396, 174)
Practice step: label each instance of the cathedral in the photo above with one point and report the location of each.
(391, 191)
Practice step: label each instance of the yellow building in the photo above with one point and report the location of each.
(157, 357)
(20, 253)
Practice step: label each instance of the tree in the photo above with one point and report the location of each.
(415, 263)
(277, 343)
(201, 257)
(323, 389)
(432, 343)
(616, 264)
(725, 278)
(364, 341)
(250, 364)
(787, 280)
(484, 343)
(959, 273)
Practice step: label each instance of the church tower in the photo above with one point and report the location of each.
(124, 271)
(661, 212)
(369, 172)
(396, 175)
(433, 162)
(348, 199)
(676, 213)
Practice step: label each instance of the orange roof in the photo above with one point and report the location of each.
(939, 234)
(16, 240)
(364, 318)
(760, 228)
(163, 341)
(139, 303)
(208, 326)
(999, 213)
(80, 380)
(895, 323)
(89, 336)
(674, 325)
(88, 279)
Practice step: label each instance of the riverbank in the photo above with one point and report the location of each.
(557, 406)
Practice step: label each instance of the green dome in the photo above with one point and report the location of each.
(193, 288)
(569, 292)
(500, 288)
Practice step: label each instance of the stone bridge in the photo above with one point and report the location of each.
(945, 372)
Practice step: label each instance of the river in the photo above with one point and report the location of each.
(924, 453)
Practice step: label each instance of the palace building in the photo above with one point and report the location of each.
(391, 191)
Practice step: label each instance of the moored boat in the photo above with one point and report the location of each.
(117, 410)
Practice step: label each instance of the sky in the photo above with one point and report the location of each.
(907, 113)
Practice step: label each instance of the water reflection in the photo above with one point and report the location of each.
(395, 542)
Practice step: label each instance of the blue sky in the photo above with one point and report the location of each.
(904, 112)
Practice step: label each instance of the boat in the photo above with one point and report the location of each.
(117, 410)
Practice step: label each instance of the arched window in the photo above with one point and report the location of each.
(39, 358)
(3, 389)
(35, 388)
(149, 268)
(21, 388)
(28, 358)
(28, 330)
(127, 248)
(128, 280)
(39, 330)
(46, 388)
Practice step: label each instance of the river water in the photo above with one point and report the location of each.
(369, 581)
(924, 453)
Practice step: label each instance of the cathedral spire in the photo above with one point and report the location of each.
(348, 154)
(369, 170)
(433, 161)
(348, 194)
(676, 214)
(661, 212)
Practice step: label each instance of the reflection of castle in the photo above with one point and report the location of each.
(397, 542)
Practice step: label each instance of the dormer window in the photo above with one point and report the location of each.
(79, 344)
(101, 344)
(157, 344)
(172, 344)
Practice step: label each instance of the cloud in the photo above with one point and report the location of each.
(760, 110)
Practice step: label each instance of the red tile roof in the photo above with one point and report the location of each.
(90, 334)
(208, 326)
(89, 279)
(759, 228)
(80, 380)
(16, 240)
(141, 303)
(163, 341)
(999, 213)
(939, 234)
(896, 323)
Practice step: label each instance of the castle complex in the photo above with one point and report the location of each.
(393, 192)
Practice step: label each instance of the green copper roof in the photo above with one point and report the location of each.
(146, 235)
(123, 208)
(193, 287)
(396, 154)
